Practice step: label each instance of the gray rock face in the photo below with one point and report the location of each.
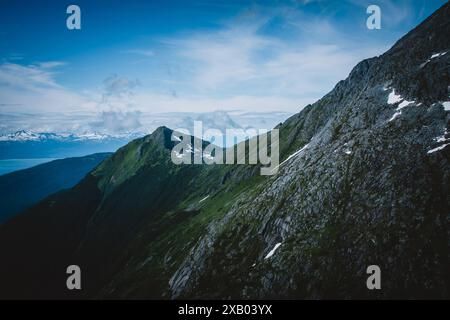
(371, 187)
(364, 180)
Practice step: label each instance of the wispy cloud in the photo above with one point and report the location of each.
(245, 57)
(112, 122)
(51, 64)
(35, 89)
(30, 77)
(263, 59)
(115, 85)
(141, 52)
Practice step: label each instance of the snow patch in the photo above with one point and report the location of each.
(398, 113)
(273, 250)
(204, 199)
(446, 105)
(442, 138)
(434, 56)
(438, 148)
(437, 55)
(405, 104)
(394, 98)
(296, 153)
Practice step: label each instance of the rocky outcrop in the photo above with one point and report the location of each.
(370, 187)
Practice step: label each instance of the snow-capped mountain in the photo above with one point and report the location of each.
(25, 144)
(25, 135)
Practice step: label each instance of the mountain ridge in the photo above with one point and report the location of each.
(357, 186)
(23, 188)
(25, 135)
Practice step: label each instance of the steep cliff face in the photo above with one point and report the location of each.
(370, 186)
(364, 179)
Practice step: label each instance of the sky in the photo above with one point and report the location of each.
(133, 60)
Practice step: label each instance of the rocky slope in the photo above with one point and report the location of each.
(365, 181)
(371, 186)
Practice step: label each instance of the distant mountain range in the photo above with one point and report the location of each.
(28, 145)
(24, 188)
(24, 135)
(25, 144)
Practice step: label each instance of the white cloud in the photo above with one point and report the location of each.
(241, 59)
(33, 89)
(142, 52)
(112, 122)
(51, 64)
(118, 94)
(31, 77)
(240, 65)
(155, 103)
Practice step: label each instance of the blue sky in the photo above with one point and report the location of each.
(134, 59)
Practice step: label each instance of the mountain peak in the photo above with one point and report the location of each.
(162, 135)
(428, 38)
(415, 67)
